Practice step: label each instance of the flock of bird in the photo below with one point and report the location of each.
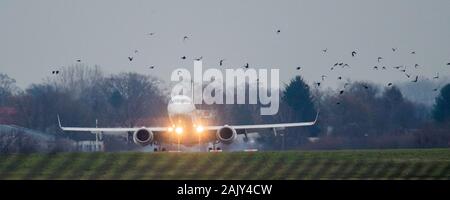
(401, 68)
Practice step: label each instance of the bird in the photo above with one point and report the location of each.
(278, 31)
(152, 33)
(221, 62)
(435, 89)
(342, 91)
(325, 50)
(340, 78)
(130, 58)
(389, 84)
(379, 58)
(413, 52)
(394, 49)
(152, 67)
(345, 84)
(338, 103)
(318, 84)
(55, 72)
(331, 68)
(384, 67)
(298, 68)
(78, 60)
(136, 51)
(398, 67)
(403, 70)
(407, 75)
(415, 80)
(335, 64)
(437, 76)
(345, 65)
(375, 67)
(323, 77)
(340, 64)
(185, 38)
(353, 53)
(366, 87)
(199, 58)
(448, 64)
(246, 66)
(183, 57)
(416, 65)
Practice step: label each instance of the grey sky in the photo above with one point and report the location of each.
(39, 36)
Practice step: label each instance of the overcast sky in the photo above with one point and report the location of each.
(37, 37)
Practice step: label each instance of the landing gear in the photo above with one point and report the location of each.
(159, 149)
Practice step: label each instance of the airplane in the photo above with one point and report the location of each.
(186, 128)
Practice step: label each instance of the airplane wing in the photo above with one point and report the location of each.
(267, 126)
(112, 131)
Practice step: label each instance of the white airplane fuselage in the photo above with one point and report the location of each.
(186, 127)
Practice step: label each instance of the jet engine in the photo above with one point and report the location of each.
(143, 137)
(226, 134)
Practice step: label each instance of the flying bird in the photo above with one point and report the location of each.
(435, 89)
(323, 77)
(185, 38)
(221, 62)
(384, 67)
(366, 87)
(379, 58)
(353, 53)
(342, 91)
(55, 72)
(318, 84)
(394, 49)
(151, 34)
(183, 57)
(325, 50)
(136, 51)
(375, 67)
(416, 65)
(415, 80)
(199, 58)
(345, 65)
(246, 66)
(152, 67)
(278, 31)
(336, 64)
(389, 84)
(79, 60)
(130, 58)
(340, 78)
(448, 64)
(413, 52)
(298, 68)
(340, 64)
(407, 75)
(398, 67)
(403, 70)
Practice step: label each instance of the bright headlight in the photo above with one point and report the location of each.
(179, 130)
(200, 129)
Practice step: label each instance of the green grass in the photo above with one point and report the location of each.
(345, 164)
